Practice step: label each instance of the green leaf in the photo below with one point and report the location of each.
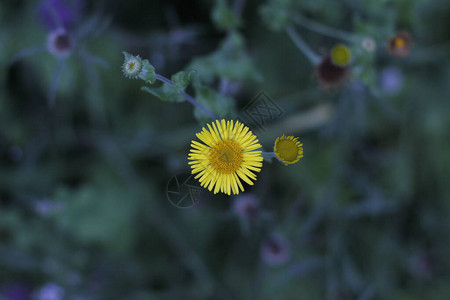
(164, 93)
(127, 55)
(220, 105)
(230, 61)
(182, 79)
(148, 73)
(275, 17)
(98, 215)
(223, 17)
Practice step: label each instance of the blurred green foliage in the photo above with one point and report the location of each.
(83, 183)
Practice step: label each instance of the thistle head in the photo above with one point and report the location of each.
(246, 207)
(56, 13)
(275, 250)
(60, 43)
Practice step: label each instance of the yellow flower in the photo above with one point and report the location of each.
(228, 153)
(288, 149)
(340, 55)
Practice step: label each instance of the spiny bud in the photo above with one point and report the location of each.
(132, 66)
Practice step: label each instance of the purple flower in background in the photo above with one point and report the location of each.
(229, 88)
(60, 13)
(50, 291)
(60, 43)
(246, 207)
(47, 207)
(59, 18)
(421, 266)
(391, 80)
(67, 31)
(275, 250)
(17, 291)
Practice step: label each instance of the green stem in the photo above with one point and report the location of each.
(326, 30)
(268, 156)
(302, 45)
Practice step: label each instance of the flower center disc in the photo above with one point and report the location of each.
(226, 156)
(400, 43)
(340, 55)
(63, 42)
(133, 67)
(287, 149)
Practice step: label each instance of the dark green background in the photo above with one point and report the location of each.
(366, 211)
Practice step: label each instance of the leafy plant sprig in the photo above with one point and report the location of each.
(172, 90)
